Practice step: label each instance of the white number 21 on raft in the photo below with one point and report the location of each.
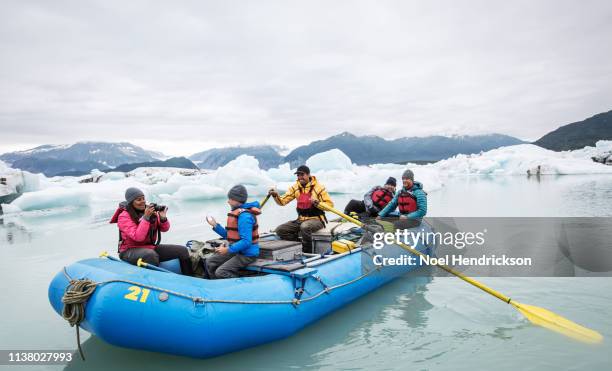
(135, 291)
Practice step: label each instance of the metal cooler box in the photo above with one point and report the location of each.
(280, 250)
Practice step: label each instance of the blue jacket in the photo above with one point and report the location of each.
(421, 200)
(246, 220)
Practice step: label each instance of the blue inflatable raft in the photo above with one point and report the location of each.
(158, 311)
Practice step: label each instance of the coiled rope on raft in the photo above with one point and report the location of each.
(75, 297)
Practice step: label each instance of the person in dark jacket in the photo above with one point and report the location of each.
(242, 234)
(374, 201)
(411, 199)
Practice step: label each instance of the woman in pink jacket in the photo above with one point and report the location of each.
(140, 228)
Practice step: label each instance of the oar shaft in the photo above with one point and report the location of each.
(140, 263)
(349, 218)
(478, 284)
(261, 205)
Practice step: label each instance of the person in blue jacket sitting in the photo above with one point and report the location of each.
(411, 200)
(242, 234)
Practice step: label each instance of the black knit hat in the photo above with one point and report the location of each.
(391, 181)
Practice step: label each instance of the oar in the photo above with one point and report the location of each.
(104, 254)
(536, 315)
(142, 263)
(262, 203)
(139, 263)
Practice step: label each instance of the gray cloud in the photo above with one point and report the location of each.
(187, 75)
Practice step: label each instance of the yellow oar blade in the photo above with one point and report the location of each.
(552, 321)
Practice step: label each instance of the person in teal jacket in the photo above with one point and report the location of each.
(411, 199)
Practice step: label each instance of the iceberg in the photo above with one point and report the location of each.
(602, 152)
(244, 170)
(602, 147)
(517, 159)
(52, 198)
(13, 182)
(283, 173)
(334, 159)
(196, 193)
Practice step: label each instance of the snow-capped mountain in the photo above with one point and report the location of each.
(370, 149)
(109, 154)
(82, 156)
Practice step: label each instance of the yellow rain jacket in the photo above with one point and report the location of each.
(313, 187)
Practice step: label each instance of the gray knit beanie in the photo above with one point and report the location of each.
(408, 174)
(238, 193)
(132, 193)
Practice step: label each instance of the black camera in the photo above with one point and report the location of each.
(157, 207)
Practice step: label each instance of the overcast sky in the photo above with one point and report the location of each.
(183, 76)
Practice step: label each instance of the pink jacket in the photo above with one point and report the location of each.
(137, 235)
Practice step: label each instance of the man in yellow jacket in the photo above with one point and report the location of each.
(309, 193)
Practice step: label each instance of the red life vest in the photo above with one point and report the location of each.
(406, 202)
(381, 197)
(232, 225)
(305, 206)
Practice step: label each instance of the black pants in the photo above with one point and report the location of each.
(358, 206)
(355, 206)
(161, 253)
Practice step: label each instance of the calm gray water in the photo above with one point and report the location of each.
(413, 323)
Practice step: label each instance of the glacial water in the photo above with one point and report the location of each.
(413, 323)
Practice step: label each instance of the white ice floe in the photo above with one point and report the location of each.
(517, 159)
(15, 181)
(333, 159)
(52, 198)
(244, 170)
(602, 149)
(332, 168)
